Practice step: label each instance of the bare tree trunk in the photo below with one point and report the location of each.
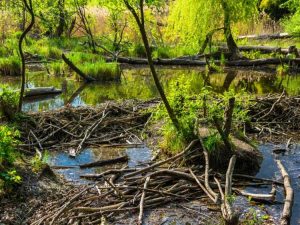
(141, 24)
(232, 46)
(29, 8)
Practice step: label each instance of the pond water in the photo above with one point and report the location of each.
(269, 169)
(137, 156)
(137, 83)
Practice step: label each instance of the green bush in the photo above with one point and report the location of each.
(8, 155)
(8, 102)
(189, 109)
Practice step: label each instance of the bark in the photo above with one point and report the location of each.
(62, 21)
(228, 117)
(232, 46)
(208, 40)
(141, 24)
(28, 6)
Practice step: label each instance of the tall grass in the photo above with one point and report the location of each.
(10, 66)
(95, 66)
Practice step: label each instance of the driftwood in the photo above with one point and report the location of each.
(289, 195)
(121, 159)
(77, 70)
(34, 92)
(265, 36)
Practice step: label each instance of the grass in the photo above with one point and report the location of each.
(10, 66)
(94, 66)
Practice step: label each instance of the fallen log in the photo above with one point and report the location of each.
(289, 195)
(77, 70)
(246, 48)
(104, 162)
(192, 62)
(265, 36)
(40, 91)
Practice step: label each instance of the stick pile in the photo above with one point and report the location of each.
(276, 114)
(74, 128)
(119, 193)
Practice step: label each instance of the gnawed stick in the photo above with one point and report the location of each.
(202, 186)
(146, 169)
(289, 195)
(261, 197)
(140, 220)
(230, 217)
(212, 193)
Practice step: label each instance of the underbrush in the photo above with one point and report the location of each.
(8, 155)
(8, 102)
(194, 111)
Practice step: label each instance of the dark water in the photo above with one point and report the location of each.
(269, 169)
(138, 84)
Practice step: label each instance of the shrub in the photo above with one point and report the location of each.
(189, 109)
(8, 155)
(8, 102)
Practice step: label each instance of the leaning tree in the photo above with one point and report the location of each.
(137, 10)
(191, 20)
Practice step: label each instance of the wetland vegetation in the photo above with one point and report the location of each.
(123, 111)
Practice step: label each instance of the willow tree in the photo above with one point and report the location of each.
(191, 20)
(137, 9)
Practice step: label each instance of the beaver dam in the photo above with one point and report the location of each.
(122, 193)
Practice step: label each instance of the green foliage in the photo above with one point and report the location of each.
(189, 108)
(10, 66)
(282, 69)
(93, 65)
(8, 155)
(8, 102)
(190, 25)
(212, 142)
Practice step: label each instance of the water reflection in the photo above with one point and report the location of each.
(138, 84)
(137, 156)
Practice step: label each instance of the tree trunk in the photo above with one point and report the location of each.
(232, 46)
(62, 22)
(28, 6)
(141, 25)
